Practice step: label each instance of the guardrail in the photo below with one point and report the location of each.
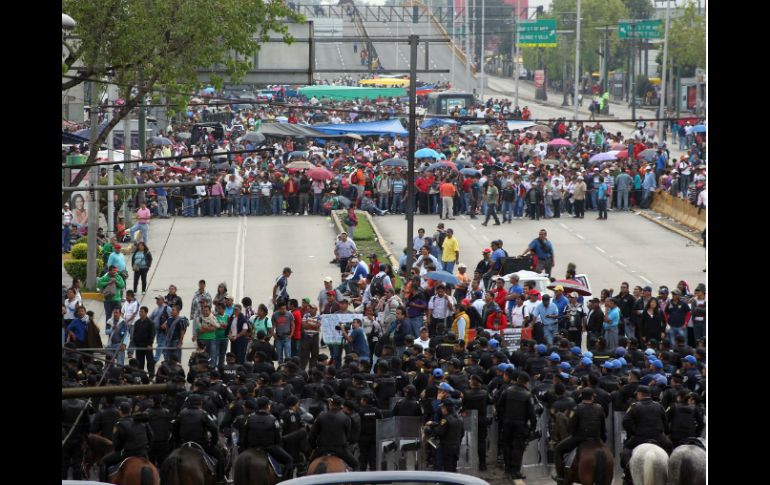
(681, 210)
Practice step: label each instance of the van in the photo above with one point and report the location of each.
(541, 281)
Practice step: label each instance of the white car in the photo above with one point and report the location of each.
(541, 280)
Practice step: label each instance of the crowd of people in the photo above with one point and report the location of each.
(438, 349)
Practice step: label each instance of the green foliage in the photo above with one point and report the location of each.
(639, 9)
(77, 268)
(145, 45)
(80, 251)
(687, 41)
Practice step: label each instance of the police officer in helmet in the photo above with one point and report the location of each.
(586, 423)
(129, 438)
(645, 420)
(193, 424)
(263, 430)
(517, 412)
(450, 433)
(330, 433)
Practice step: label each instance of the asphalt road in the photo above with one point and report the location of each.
(338, 54)
(626, 247)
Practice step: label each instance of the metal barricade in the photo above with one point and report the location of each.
(492, 436)
(618, 437)
(399, 443)
(534, 463)
(469, 454)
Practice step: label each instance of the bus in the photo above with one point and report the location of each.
(444, 102)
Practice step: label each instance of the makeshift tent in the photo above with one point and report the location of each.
(376, 128)
(519, 125)
(430, 122)
(287, 129)
(68, 138)
(384, 82)
(86, 132)
(350, 92)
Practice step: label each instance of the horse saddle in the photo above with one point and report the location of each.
(115, 469)
(211, 462)
(275, 464)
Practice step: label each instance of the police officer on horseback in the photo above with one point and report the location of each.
(587, 423)
(263, 430)
(644, 421)
(131, 437)
(330, 433)
(191, 426)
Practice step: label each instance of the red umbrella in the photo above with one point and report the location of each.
(570, 286)
(178, 169)
(561, 142)
(621, 154)
(320, 173)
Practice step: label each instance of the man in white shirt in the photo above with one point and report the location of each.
(130, 311)
(424, 340)
(441, 307)
(419, 241)
(531, 304)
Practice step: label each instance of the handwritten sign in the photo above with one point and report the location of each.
(328, 322)
(512, 338)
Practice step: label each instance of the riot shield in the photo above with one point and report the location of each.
(387, 444)
(469, 455)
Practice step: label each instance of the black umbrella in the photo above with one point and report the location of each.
(254, 137)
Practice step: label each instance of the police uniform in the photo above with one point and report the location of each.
(330, 434)
(478, 399)
(586, 423)
(72, 452)
(645, 420)
(129, 438)
(367, 439)
(104, 421)
(685, 421)
(192, 425)
(407, 407)
(518, 415)
(262, 430)
(450, 432)
(160, 423)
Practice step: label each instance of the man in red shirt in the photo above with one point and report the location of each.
(423, 184)
(500, 293)
(296, 337)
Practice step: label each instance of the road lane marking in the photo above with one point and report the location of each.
(473, 227)
(563, 225)
(600, 249)
(621, 264)
(579, 236)
(645, 279)
(243, 255)
(485, 237)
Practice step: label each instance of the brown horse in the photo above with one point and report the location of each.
(593, 465)
(252, 468)
(328, 464)
(94, 448)
(186, 466)
(136, 470)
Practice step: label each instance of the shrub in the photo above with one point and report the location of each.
(77, 268)
(80, 251)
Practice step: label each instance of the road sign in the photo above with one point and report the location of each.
(537, 33)
(640, 29)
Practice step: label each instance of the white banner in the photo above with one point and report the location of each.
(328, 322)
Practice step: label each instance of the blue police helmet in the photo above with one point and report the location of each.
(588, 354)
(438, 373)
(575, 350)
(586, 361)
(565, 366)
(554, 357)
(541, 349)
(620, 352)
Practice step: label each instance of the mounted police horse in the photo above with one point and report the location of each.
(328, 463)
(252, 467)
(592, 464)
(133, 470)
(687, 464)
(649, 465)
(186, 466)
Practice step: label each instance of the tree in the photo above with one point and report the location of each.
(148, 45)
(687, 41)
(639, 9)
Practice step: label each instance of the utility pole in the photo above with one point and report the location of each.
(110, 181)
(664, 69)
(467, 39)
(127, 163)
(483, 39)
(413, 40)
(633, 74)
(577, 62)
(606, 58)
(93, 202)
(516, 68)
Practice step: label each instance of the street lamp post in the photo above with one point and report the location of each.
(577, 62)
(664, 69)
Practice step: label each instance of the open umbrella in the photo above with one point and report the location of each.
(160, 140)
(298, 154)
(178, 169)
(300, 164)
(184, 135)
(443, 276)
(546, 130)
(254, 137)
(344, 201)
(463, 163)
(622, 155)
(320, 173)
(570, 286)
(560, 142)
(395, 162)
(602, 157)
(619, 146)
(427, 153)
(550, 161)
(470, 171)
(436, 165)
(649, 155)
(699, 129)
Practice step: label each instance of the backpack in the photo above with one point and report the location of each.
(377, 287)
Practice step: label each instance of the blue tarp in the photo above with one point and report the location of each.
(519, 125)
(68, 138)
(86, 132)
(431, 122)
(385, 127)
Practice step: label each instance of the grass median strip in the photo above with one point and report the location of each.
(367, 242)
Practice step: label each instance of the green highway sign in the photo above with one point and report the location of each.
(537, 33)
(640, 29)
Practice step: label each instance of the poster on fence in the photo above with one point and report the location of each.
(328, 323)
(512, 337)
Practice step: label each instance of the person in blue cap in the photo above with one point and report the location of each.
(450, 431)
(553, 362)
(576, 355)
(584, 367)
(609, 380)
(690, 371)
(535, 364)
